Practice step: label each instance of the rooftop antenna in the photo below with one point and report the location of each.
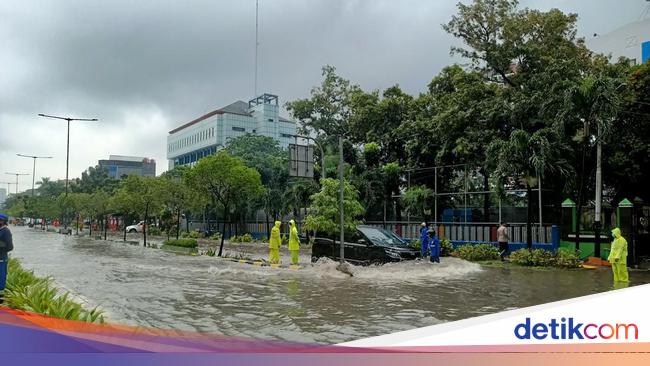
(257, 6)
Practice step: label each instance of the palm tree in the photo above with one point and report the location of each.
(596, 101)
(524, 157)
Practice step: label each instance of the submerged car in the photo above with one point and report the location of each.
(367, 245)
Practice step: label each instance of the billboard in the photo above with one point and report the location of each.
(301, 161)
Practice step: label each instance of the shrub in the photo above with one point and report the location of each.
(522, 257)
(216, 236)
(194, 234)
(568, 258)
(445, 247)
(264, 239)
(415, 244)
(535, 257)
(478, 252)
(246, 238)
(27, 292)
(210, 252)
(542, 258)
(154, 231)
(185, 243)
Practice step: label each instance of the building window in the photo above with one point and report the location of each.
(270, 119)
(286, 135)
(239, 129)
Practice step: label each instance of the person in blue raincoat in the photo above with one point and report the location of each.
(424, 240)
(434, 246)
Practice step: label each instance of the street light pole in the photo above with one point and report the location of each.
(8, 187)
(34, 167)
(341, 196)
(16, 174)
(67, 155)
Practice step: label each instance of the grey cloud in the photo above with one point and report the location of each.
(144, 67)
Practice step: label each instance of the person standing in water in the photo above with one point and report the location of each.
(274, 244)
(503, 238)
(618, 257)
(424, 240)
(434, 246)
(6, 246)
(294, 242)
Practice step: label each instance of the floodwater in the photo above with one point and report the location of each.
(149, 287)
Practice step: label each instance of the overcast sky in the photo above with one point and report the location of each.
(145, 67)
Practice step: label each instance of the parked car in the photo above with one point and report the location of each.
(367, 245)
(137, 228)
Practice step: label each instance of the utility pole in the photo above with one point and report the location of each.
(257, 6)
(599, 193)
(34, 167)
(341, 195)
(16, 174)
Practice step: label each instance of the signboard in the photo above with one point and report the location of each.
(301, 162)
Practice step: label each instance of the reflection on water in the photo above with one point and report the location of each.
(150, 287)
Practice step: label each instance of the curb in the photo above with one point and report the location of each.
(263, 263)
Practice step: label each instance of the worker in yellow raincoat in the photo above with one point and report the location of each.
(294, 242)
(274, 244)
(618, 257)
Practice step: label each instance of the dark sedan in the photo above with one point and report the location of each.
(368, 245)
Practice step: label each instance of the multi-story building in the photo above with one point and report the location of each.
(3, 196)
(119, 166)
(211, 132)
(631, 41)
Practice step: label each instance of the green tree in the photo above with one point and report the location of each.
(227, 181)
(94, 179)
(49, 188)
(417, 200)
(139, 195)
(272, 162)
(325, 216)
(626, 150)
(525, 157)
(176, 195)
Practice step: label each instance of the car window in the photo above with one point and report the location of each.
(381, 237)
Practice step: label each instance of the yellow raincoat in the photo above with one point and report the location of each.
(618, 257)
(294, 242)
(274, 243)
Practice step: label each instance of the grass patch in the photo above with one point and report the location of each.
(185, 243)
(25, 291)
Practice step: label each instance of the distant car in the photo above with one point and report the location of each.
(137, 228)
(368, 245)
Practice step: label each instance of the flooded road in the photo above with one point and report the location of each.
(149, 287)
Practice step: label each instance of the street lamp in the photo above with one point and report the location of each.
(67, 156)
(34, 167)
(8, 187)
(16, 174)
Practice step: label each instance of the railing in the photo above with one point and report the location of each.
(546, 236)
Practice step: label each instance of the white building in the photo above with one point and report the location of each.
(211, 132)
(631, 41)
(3, 195)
